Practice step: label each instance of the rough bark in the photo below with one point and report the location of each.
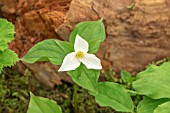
(135, 37)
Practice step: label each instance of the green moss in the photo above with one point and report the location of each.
(13, 92)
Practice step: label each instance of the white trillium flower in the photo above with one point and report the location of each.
(74, 59)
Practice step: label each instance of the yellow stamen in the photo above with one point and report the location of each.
(79, 54)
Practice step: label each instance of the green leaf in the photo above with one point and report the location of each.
(6, 33)
(113, 95)
(126, 77)
(42, 105)
(93, 32)
(154, 81)
(163, 108)
(86, 78)
(7, 58)
(49, 50)
(147, 105)
(3, 45)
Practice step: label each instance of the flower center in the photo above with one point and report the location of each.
(79, 54)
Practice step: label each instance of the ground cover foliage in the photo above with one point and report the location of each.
(122, 94)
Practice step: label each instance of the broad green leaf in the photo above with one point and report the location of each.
(93, 32)
(6, 33)
(113, 95)
(49, 50)
(163, 108)
(147, 105)
(42, 105)
(86, 78)
(126, 77)
(94, 45)
(7, 58)
(154, 81)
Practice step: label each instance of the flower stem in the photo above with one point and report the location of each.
(75, 97)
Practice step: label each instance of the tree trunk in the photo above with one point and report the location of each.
(136, 35)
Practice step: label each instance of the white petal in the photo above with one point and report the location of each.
(91, 61)
(80, 44)
(70, 62)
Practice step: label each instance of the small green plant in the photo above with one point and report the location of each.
(7, 56)
(154, 84)
(78, 59)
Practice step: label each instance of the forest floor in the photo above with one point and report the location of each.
(15, 88)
